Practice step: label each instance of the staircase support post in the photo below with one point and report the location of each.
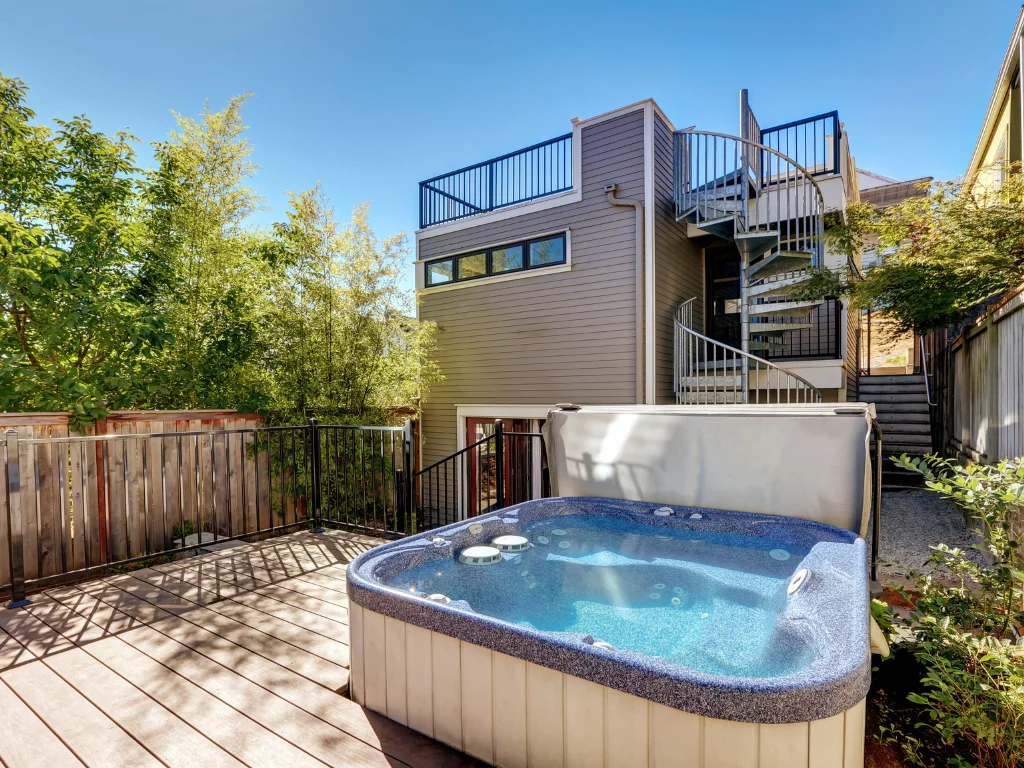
(744, 328)
(744, 259)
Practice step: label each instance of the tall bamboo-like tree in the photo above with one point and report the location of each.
(347, 345)
(78, 328)
(129, 289)
(212, 272)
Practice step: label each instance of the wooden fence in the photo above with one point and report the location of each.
(977, 384)
(139, 483)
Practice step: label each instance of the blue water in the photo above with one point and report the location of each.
(705, 600)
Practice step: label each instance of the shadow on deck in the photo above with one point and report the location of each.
(239, 657)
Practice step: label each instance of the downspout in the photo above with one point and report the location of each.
(638, 206)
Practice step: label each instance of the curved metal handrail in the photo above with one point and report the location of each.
(702, 371)
(775, 152)
(716, 169)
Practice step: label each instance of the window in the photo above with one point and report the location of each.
(507, 259)
(473, 265)
(500, 260)
(999, 162)
(439, 272)
(550, 251)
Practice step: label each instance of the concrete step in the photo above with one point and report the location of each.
(903, 428)
(871, 397)
(894, 477)
(893, 379)
(891, 448)
(891, 389)
(719, 397)
(907, 417)
(723, 381)
(919, 408)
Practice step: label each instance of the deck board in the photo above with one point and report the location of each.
(231, 658)
(75, 720)
(258, 630)
(25, 741)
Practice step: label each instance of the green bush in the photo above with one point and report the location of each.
(967, 706)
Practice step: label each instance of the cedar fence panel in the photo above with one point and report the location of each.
(978, 384)
(141, 484)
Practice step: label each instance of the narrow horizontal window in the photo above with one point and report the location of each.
(499, 260)
(439, 272)
(473, 265)
(548, 251)
(507, 259)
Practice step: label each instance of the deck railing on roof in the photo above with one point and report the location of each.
(526, 174)
(812, 143)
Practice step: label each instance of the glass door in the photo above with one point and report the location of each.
(481, 464)
(722, 301)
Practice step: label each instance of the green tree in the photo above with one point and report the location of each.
(78, 328)
(346, 343)
(945, 251)
(212, 273)
(128, 288)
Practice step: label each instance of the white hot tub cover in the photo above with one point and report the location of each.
(809, 461)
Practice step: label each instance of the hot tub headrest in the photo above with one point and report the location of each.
(807, 461)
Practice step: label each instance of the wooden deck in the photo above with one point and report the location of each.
(239, 657)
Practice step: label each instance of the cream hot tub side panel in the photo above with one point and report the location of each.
(513, 713)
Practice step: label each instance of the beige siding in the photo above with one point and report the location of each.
(678, 264)
(559, 337)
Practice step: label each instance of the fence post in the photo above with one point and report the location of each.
(992, 419)
(314, 457)
(16, 530)
(499, 463)
(408, 479)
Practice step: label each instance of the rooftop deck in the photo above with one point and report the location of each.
(239, 657)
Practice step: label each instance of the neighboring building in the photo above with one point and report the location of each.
(884, 352)
(977, 370)
(1001, 140)
(628, 262)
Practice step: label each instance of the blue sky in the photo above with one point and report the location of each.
(371, 97)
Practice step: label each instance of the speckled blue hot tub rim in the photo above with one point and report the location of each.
(832, 607)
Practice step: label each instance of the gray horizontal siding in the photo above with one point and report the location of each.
(548, 338)
(678, 264)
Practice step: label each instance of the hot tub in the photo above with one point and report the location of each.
(625, 633)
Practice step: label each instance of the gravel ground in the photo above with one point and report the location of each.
(912, 521)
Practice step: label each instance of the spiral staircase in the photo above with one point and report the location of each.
(771, 208)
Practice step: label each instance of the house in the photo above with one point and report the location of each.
(978, 370)
(884, 352)
(628, 262)
(1001, 141)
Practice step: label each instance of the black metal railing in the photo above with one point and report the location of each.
(502, 469)
(822, 341)
(361, 472)
(526, 174)
(72, 508)
(812, 143)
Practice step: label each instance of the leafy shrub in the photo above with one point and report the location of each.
(183, 529)
(968, 705)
